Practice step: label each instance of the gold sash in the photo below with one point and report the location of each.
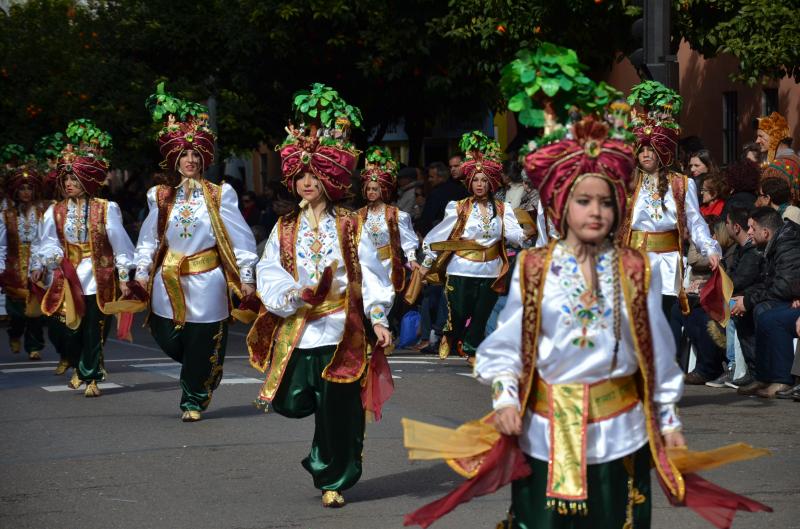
(384, 252)
(469, 249)
(570, 408)
(656, 241)
(77, 252)
(176, 265)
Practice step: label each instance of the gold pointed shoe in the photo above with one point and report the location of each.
(191, 416)
(75, 382)
(16, 345)
(332, 499)
(92, 390)
(35, 355)
(61, 368)
(444, 348)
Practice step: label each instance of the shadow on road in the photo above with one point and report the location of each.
(419, 483)
(723, 399)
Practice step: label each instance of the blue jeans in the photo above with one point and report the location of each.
(775, 332)
(491, 325)
(730, 345)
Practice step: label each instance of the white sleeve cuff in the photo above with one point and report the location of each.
(505, 393)
(247, 275)
(668, 418)
(377, 316)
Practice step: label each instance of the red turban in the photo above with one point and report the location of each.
(88, 167)
(332, 165)
(24, 175)
(663, 140)
(556, 168)
(381, 168)
(177, 138)
(477, 163)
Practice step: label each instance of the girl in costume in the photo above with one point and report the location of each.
(19, 226)
(388, 228)
(194, 246)
(468, 248)
(664, 214)
(582, 367)
(86, 249)
(319, 278)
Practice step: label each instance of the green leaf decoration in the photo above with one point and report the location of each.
(84, 132)
(12, 152)
(322, 105)
(162, 104)
(380, 157)
(50, 146)
(477, 141)
(655, 97)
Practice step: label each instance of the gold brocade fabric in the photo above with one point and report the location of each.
(606, 398)
(688, 461)
(77, 252)
(483, 255)
(656, 241)
(384, 252)
(176, 265)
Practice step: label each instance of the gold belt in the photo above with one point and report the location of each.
(606, 399)
(323, 309)
(483, 256)
(384, 252)
(77, 252)
(656, 241)
(198, 263)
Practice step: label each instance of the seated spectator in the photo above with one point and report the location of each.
(249, 208)
(786, 166)
(778, 286)
(776, 194)
(794, 391)
(712, 198)
(702, 167)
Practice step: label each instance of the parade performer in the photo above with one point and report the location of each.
(582, 368)
(468, 248)
(10, 157)
(18, 237)
(318, 278)
(388, 228)
(664, 214)
(84, 245)
(194, 246)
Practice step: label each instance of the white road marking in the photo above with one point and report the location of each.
(173, 370)
(63, 387)
(466, 375)
(419, 362)
(26, 369)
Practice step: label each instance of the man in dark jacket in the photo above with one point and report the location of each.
(444, 190)
(779, 285)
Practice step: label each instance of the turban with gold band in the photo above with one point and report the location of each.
(333, 165)
(178, 137)
(379, 167)
(88, 166)
(483, 156)
(663, 140)
(26, 174)
(556, 168)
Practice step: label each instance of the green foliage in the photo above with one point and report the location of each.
(84, 132)
(379, 156)
(477, 141)
(11, 152)
(322, 104)
(49, 147)
(653, 95)
(162, 104)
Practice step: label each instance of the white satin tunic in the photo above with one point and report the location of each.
(648, 215)
(188, 231)
(317, 249)
(481, 228)
(576, 344)
(76, 231)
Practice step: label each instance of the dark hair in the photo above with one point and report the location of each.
(786, 141)
(407, 172)
(717, 186)
(751, 147)
(777, 189)
(739, 215)
(513, 170)
(767, 217)
(705, 156)
(442, 171)
(663, 185)
(456, 155)
(742, 176)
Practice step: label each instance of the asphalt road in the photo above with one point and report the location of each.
(126, 461)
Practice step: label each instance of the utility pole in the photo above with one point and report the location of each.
(654, 60)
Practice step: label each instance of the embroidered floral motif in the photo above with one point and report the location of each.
(27, 224)
(585, 312)
(315, 246)
(377, 228)
(76, 228)
(497, 389)
(486, 223)
(652, 199)
(185, 211)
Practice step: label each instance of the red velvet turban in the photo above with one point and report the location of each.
(477, 163)
(663, 140)
(90, 170)
(24, 175)
(181, 137)
(332, 165)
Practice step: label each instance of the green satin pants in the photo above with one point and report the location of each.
(20, 325)
(618, 492)
(468, 298)
(200, 349)
(335, 458)
(84, 345)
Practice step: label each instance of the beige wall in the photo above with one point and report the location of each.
(702, 83)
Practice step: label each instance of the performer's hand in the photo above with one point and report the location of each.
(738, 308)
(36, 275)
(383, 334)
(142, 283)
(530, 232)
(674, 440)
(423, 270)
(414, 265)
(713, 261)
(124, 289)
(507, 421)
(247, 289)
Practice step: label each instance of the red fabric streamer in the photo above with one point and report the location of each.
(379, 385)
(317, 296)
(712, 502)
(73, 283)
(124, 324)
(504, 463)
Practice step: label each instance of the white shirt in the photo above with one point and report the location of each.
(376, 228)
(576, 346)
(481, 228)
(76, 231)
(648, 215)
(317, 249)
(189, 231)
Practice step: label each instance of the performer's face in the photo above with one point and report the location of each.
(648, 160)
(72, 186)
(189, 164)
(480, 185)
(590, 211)
(308, 187)
(762, 140)
(25, 193)
(373, 192)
